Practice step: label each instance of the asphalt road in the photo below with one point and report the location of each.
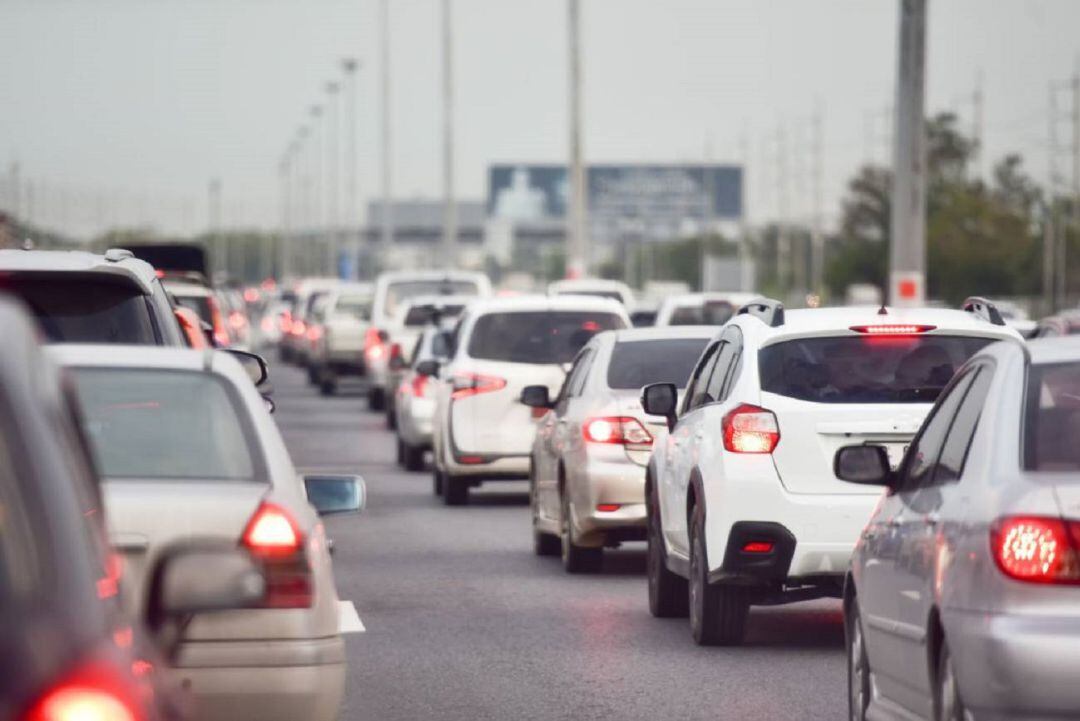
(464, 622)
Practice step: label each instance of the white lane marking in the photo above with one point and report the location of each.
(348, 619)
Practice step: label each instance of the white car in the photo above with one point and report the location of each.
(596, 287)
(482, 431)
(294, 340)
(188, 452)
(391, 290)
(587, 476)
(337, 331)
(742, 498)
(414, 398)
(701, 308)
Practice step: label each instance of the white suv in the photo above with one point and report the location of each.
(742, 499)
(481, 429)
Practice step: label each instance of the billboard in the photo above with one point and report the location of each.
(664, 196)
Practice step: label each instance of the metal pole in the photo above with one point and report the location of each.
(450, 220)
(817, 237)
(318, 216)
(285, 170)
(333, 161)
(907, 254)
(1075, 186)
(352, 217)
(214, 208)
(387, 189)
(577, 252)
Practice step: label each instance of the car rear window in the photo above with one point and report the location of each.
(400, 291)
(358, 307)
(537, 336)
(858, 369)
(78, 309)
(1052, 420)
(609, 294)
(710, 313)
(421, 315)
(199, 304)
(165, 425)
(638, 363)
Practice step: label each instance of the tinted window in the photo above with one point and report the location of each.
(1052, 420)
(697, 394)
(901, 369)
(712, 313)
(86, 310)
(406, 289)
(922, 457)
(161, 424)
(423, 314)
(638, 363)
(576, 381)
(20, 564)
(720, 373)
(954, 454)
(537, 336)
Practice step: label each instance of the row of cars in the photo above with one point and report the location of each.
(160, 557)
(751, 456)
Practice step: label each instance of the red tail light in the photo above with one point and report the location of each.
(620, 430)
(298, 328)
(94, 692)
(221, 333)
(373, 343)
(757, 547)
(314, 333)
(273, 536)
(749, 429)
(237, 320)
(472, 384)
(419, 385)
(1037, 549)
(892, 329)
(285, 322)
(251, 295)
(608, 507)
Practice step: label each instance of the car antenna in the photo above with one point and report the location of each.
(883, 310)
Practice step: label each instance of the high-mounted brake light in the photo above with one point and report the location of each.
(467, 384)
(621, 430)
(892, 329)
(1037, 549)
(749, 429)
(757, 547)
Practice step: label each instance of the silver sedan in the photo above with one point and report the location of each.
(963, 599)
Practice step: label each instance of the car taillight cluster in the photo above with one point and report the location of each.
(374, 347)
(417, 387)
(95, 691)
(620, 430)
(467, 384)
(221, 333)
(238, 320)
(1037, 549)
(273, 537)
(749, 429)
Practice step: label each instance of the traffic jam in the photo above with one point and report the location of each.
(163, 558)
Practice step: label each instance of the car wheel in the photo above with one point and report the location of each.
(313, 375)
(437, 480)
(717, 611)
(375, 399)
(412, 457)
(391, 418)
(947, 703)
(400, 458)
(668, 593)
(455, 490)
(544, 544)
(328, 384)
(575, 558)
(858, 666)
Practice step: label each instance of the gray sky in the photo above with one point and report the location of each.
(123, 110)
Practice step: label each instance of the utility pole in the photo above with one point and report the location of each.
(352, 217)
(1050, 221)
(333, 124)
(214, 208)
(817, 237)
(450, 220)
(577, 250)
(387, 192)
(783, 240)
(907, 254)
(318, 218)
(1075, 183)
(284, 241)
(746, 279)
(302, 190)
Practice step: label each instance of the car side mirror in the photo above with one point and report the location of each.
(536, 397)
(661, 399)
(254, 365)
(332, 495)
(428, 368)
(865, 464)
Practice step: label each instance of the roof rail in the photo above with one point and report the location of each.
(768, 311)
(984, 309)
(115, 255)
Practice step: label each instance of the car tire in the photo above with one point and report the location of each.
(575, 558)
(313, 374)
(455, 491)
(947, 703)
(391, 418)
(668, 592)
(717, 611)
(858, 665)
(544, 544)
(437, 480)
(412, 457)
(328, 383)
(400, 457)
(376, 399)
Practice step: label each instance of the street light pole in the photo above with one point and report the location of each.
(387, 185)
(318, 224)
(333, 123)
(352, 226)
(907, 254)
(450, 220)
(577, 241)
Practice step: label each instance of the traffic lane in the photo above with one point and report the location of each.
(465, 622)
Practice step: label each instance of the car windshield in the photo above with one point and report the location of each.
(164, 424)
(403, 290)
(638, 363)
(710, 313)
(421, 315)
(857, 369)
(537, 336)
(85, 310)
(1052, 420)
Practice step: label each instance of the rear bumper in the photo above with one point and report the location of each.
(415, 420)
(263, 680)
(608, 476)
(489, 467)
(1015, 667)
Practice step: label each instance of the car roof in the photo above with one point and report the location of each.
(437, 300)
(824, 321)
(691, 299)
(154, 357)
(605, 283)
(523, 303)
(627, 335)
(1054, 350)
(354, 288)
(187, 290)
(115, 262)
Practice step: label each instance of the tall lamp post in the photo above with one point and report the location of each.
(450, 219)
(577, 241)
(318, 218)
(333, 163)
(352, 225)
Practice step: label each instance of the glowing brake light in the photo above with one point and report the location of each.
(621, 430)
(94, 692)
(273, 536)
(892, 329)
(749, 429)
(757, 547)
(1037, 549)
(374, 347)
(237, 320)
(608, 507)
(271, 531)
(467, 384)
